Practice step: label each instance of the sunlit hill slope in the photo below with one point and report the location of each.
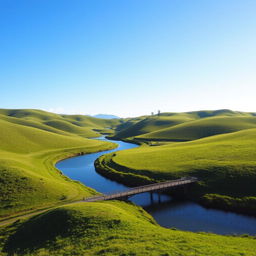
(31, 142)
(218, 147)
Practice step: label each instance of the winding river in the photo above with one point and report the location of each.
(183, 215)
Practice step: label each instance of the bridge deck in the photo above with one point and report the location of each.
(143, 189)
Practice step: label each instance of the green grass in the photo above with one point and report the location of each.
(150, 124)
(32, 141)
(201, 128)
(74, 124)
(184, 126)
(225, 165)
(209, 113)
(112, 228)
(71, 128)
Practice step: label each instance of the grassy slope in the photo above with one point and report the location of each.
(211, 113)
(29, 148)
(225, 165)
(185, 126)
(71, 128)
(75, 124)
(150, 124)
(88, 121)
(112, 228)
(201, 128)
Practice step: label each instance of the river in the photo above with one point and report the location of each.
(168, 212)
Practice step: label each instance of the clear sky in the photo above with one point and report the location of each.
(128, 57)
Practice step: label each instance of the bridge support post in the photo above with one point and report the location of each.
(185, 190)
(159, 197)
(151, 197)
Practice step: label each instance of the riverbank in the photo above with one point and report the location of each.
(218, 188)
(245, 205)
(182, 214)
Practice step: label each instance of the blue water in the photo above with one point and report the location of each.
(184, 215)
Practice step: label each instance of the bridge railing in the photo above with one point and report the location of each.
(182, 180)
(152, 187)
(142, 189)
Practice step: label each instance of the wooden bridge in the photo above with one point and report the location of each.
(142, 189)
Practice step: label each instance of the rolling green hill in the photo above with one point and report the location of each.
(225, 165)
(210, 113)
(201, 128)
(31, 141)
(71, 128)
(89, 121)
(185, 126)
(220, 151)
(125, 123)
(32, 123)
(112, 228)
(74, 124)
(150, 124)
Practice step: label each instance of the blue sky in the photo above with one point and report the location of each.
(128, 57)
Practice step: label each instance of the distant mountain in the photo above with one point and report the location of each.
(105, 116)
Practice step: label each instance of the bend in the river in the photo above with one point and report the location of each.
(184, 215)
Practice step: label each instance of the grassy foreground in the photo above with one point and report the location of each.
(31, 142)
(225, 165)
(112, 228)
